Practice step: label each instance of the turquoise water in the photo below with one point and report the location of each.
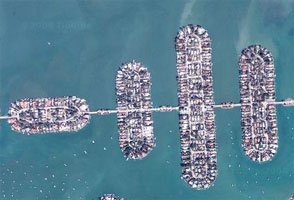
(63, 47)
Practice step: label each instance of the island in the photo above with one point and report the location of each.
(196, 107)
(134, 119)
(196, 112)
(110, 197)
(44, 115)
(258, 110)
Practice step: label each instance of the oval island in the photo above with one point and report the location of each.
(196, 112)
(44, 115)
(134, 118)
(258, 110)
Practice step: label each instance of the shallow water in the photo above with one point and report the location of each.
(63, 47)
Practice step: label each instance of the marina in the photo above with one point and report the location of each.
(196, 114)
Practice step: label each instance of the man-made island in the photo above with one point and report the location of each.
(46, 115)
(195, 105)
(110, 197)
(196, 113)
(258, 110)
(136, 138)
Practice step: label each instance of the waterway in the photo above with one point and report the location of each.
(67, 47)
